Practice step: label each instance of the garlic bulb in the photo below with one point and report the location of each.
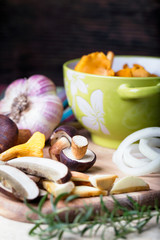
(33, 104)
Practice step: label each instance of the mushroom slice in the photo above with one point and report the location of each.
(129, 184)
(81, 165)
(57, 189)
(103, 182)
(79, 176)
(34, 178)
(19, 183)
(42, 167)
(87, 191)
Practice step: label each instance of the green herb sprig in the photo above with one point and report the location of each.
(87, 221)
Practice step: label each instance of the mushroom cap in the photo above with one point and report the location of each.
(74, 164)
(9, 133)
(63, 130)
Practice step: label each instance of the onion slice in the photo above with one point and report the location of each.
(118, 156)
(133, 157)
(148, 147)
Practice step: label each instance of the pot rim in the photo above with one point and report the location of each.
(72, 61)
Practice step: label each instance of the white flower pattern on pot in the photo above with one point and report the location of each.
(94, 118)
(76, 84)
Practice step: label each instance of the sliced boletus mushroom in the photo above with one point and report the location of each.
(81, 165)
(34, 178)
(87, 191)
(80, 178)
(42, 167)
(18, 183)
(103, 182)
(60, 139)
(57, 189)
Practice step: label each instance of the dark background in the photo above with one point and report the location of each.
(39, 36)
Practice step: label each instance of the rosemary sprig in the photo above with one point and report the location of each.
(87, 221)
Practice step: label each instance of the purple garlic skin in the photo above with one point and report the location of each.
(33, 104)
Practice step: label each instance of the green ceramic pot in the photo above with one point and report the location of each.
(111, 108)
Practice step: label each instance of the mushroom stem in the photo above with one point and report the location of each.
(79, 146)
(56, 148)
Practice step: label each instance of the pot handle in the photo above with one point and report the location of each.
(125, 91)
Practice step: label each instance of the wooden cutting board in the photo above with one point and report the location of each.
(17, 210)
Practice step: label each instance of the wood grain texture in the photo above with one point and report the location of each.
(16, 210)
(39, 36)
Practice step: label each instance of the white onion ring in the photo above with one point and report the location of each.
(148, 147)
(153, 166)
(133, 157)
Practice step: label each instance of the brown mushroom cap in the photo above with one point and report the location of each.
(74, 164)
(8, 133)
(63, 130)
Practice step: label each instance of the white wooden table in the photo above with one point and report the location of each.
(12, 230)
